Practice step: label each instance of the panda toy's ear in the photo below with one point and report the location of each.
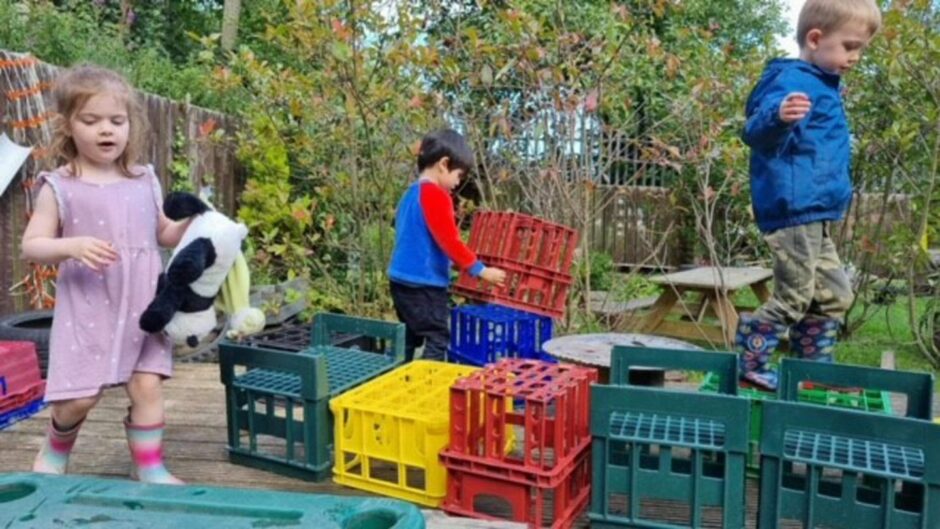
(179, 205)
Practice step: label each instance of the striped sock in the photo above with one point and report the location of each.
(146, 444)
(53, 457)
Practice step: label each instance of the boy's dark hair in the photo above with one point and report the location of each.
(445, 143)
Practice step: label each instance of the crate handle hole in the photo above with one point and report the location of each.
(493, 505)
(16, 491)
(372, 519)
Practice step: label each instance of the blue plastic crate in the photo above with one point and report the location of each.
(484, 334)
(23, 412)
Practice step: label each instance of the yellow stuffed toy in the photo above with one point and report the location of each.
(233, 300)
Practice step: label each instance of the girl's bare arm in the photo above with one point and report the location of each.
(169, 232)
(42, 244)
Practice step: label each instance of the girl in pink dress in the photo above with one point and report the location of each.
(99, 217)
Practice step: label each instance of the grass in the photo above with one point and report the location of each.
(887, 329)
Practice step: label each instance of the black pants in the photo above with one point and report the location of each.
(425, 314)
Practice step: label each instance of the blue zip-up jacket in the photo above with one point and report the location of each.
(799, 171)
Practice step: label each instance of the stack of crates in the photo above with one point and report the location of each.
(536, 255)
(277, 402)
(668, 459)
(545, 481)
(484, 334)
(389, 432)
(21, 385)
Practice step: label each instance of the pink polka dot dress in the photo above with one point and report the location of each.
(95, 340)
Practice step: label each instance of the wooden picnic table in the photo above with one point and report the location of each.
(714, 288)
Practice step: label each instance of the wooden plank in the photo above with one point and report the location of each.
(888, 360)
(711, 278)
(663, 306)
(727, 315)
(762, 291)
(628, 234)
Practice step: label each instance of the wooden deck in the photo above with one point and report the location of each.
(196, 446)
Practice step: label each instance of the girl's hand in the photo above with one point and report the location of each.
(93, 253)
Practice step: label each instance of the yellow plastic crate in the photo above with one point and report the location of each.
(388, 432)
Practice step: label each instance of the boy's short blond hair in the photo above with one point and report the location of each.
(830, 15)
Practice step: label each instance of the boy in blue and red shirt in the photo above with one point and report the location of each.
(427, 241)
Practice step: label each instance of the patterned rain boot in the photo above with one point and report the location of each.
(53, 457)
(814, 338)
(146, 444)
(755, 342)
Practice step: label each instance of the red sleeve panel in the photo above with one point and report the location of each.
(438, 209)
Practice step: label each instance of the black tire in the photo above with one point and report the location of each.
(33, 326)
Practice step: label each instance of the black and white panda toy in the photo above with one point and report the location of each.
(184, 304)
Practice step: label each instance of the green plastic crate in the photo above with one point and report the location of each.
(651, 446)
(826, 379)
(654, 445)
(878, 384)
(722, 367)
(39, 500)
(280, 400)
(846, 469)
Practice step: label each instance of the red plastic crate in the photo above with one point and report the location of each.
(523, 239)
(527, 288)
(18, 400)
(20, 380)
(19, 367)
(490, 492)
(550, 404)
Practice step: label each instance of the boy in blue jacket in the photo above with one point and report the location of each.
(800, 154)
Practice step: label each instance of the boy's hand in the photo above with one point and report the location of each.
(490, 274)
(794, 107)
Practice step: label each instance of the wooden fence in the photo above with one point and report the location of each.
(637, 226)
(177, 133)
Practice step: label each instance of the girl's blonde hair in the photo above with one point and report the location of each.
(830, 15)
(73, 88)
